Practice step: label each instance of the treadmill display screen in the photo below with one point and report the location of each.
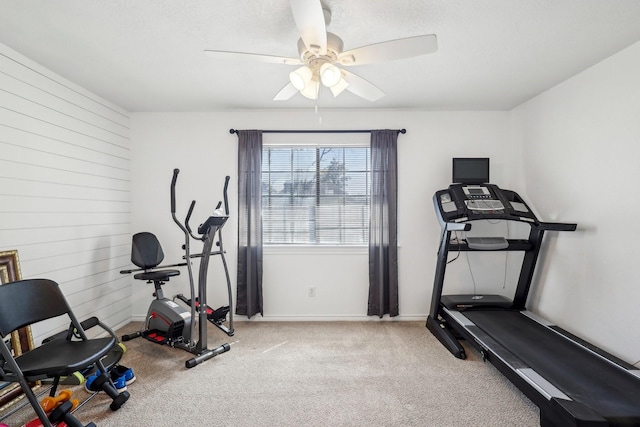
(467, 170)
(475, 191)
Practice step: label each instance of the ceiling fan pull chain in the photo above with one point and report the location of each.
(316, 109)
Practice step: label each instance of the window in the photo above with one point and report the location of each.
(315, 195)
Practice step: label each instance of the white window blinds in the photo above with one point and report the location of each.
(315, 194)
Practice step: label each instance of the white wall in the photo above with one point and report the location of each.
(64, 179)
(581, 146)
(199, 144)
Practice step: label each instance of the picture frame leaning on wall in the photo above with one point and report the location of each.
(21, 340)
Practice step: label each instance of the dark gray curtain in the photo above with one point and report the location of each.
(249, 291)
(383, 239)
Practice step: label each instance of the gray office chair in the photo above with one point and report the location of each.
(26, 302)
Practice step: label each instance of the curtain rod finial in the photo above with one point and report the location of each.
(232, 131)
(403, 131)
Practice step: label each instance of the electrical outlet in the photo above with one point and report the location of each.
(312, 292)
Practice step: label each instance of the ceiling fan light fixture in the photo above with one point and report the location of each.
(301, 77)
(339, 87)
(323, 60)
(330, 75)
(311, 89)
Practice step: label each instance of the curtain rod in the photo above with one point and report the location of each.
(232, 131)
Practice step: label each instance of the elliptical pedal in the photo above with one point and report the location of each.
(216, 317)
(156, 336)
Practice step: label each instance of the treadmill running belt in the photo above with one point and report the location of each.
(581, 375)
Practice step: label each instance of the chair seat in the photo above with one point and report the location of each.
(62, 357)
(159, 275)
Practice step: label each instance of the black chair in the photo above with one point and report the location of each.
(27, 302)
(146, 253)
(166, 323)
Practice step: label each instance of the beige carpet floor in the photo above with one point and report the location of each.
(311, 374)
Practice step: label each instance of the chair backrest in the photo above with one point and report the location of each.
(146, 251)
(29, 301)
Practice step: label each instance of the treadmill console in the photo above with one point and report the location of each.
(476, 192)
(466, 202)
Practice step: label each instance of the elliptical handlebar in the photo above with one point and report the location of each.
(217, 219)
(226, 200)
(186, 228)
(173, 190)
(186, 221)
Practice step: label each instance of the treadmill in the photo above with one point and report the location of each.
(573, 382)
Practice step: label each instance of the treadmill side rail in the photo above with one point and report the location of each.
(561, 413)
(543, 386)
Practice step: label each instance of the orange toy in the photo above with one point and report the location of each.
(50, 403)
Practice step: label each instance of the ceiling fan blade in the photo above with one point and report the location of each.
(285, 93)
(390, 50)
(309, 19)
(220, 54)
(361, 87)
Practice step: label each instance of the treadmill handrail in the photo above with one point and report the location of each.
(558, 226)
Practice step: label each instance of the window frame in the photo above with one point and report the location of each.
(318, 141)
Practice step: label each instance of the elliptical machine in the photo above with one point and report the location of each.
(168, 322)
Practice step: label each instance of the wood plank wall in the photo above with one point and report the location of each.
(65, 189)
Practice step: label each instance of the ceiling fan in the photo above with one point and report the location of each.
(321, 54)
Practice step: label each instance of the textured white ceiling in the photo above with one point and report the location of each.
(147, 55)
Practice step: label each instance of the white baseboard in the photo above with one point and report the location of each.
(321, 318)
